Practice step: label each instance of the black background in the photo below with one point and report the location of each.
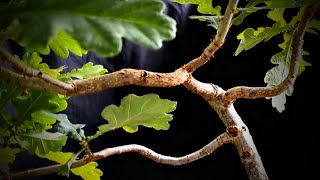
(285, 141)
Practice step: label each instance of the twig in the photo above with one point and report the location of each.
(261, 92)
(144, 151)
(29, 72)
(218, 40)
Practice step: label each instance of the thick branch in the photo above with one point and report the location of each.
(244, 143)
(129, 77)
(95, 84)
(235, 127)
(118, 78)
(205, 151)
(218, 40)
(261, 92)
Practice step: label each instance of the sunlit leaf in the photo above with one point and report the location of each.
(250, 37)
(87, 70)
(59, 157)
(34, 60)
(62, 43)
(147, 110)
(277, 15)
(98, 26)
(88, 171)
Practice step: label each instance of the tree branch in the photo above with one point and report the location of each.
(119, 78)
(218, 40)
(24, 81)
(129, 77)
(144, 151)
(261, 92)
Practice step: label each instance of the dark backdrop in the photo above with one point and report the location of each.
(285, 141)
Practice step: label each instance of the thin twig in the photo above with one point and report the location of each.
(217, 41)
(144, 151)
(29, 72)
(262, 92)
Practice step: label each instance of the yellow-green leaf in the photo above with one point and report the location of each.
(88, 171)
(148, 110)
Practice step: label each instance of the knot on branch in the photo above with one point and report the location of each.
(144, 76)
(233, 131)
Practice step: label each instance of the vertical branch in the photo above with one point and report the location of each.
(217, 42)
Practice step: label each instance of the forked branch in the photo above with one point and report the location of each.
(262, 92)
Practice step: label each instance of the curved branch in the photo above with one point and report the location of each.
(144, 151)
(218, 40)
(119, 78)
(261, 92)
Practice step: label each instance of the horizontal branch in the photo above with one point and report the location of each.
(261, 92)
(129, 77)
(95, 84)
(119, 78)
(144, 151)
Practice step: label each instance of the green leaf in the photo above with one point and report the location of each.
(39, 101)
(249, 9)
(97, 25)
(214, 21)
(303, 63)
(204, 6)
(87, 70)
(313, 25)
(7, 156)
(65, 169)
(88, 171)
(64, 126)
(277, 15)
(44, 142)
(7, 93)
(250, 37)
(279, 73)
(147, 110)
(43, 117)
(62, 43)
(59, 157)
(34, 61)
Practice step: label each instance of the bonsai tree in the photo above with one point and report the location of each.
(34, 95)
